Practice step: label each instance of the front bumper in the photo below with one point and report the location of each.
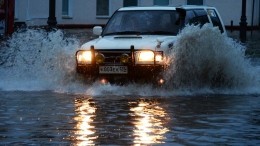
(134, 73)
(113, 69)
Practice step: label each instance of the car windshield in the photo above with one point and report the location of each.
(157, 22)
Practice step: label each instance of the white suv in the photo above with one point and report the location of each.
(134, 42)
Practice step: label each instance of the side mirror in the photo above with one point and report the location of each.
(97, 30)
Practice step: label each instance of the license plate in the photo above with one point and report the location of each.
(113, 70)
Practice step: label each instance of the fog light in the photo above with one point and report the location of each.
(161, 81)
(124, 58)
(100, 58)
(103, 81)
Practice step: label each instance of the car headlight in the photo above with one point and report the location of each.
(148, 57)
(159, 57)
(84, 57)
(145, 57)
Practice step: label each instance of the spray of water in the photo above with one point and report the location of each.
(202, 61)
(37, 60)
(203, 58)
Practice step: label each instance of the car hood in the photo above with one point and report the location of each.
(125, 41)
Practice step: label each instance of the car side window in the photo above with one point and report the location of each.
(200, 17)
(215, 19)
(189, 17)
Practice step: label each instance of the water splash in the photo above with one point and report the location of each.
(202, 57)
(34, 59)
(202, 62)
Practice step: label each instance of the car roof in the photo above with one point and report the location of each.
(163, 7)
(147, 8)
(195, 7)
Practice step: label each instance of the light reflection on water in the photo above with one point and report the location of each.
(46, 118)
(85, 114)
(149, 123)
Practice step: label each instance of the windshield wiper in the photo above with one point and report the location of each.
(124, 32)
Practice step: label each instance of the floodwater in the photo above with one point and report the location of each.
(47, 118)
(212, 98)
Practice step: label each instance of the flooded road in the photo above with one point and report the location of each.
(47, 118)
(211, 95)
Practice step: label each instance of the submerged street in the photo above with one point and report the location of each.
(132, 72)
(44, 102)
(47, 118)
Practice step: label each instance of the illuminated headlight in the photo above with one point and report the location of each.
(145, 57)
(84, 57)
(149, 57)
(159, 57)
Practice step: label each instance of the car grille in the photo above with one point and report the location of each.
(113, 56)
